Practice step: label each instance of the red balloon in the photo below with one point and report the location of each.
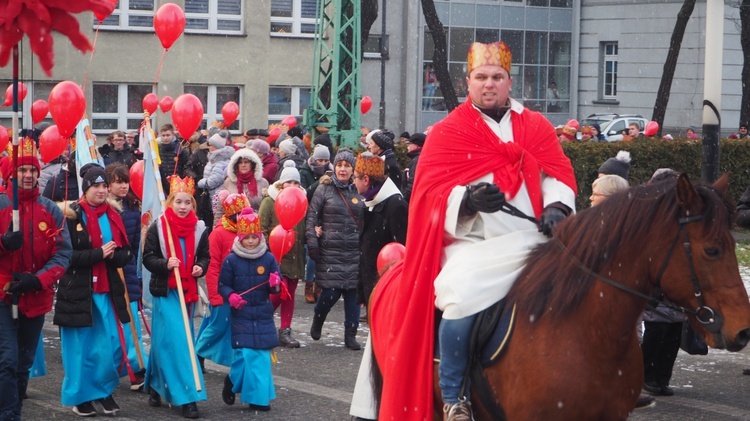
(150, 102)
(187, 114)
(230, 111)
(289, 121)
(652, 128)
(291, 207)
(136, 179)
(389, 255)
(365, 104)
(9, 94)
(51, 143)
(274, 134)
(281, 241)
(4, 138)
(166, 104)
(101, 16)
(67, 105)
(39, 110)
(169, 22)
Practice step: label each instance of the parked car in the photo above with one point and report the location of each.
(613, 124)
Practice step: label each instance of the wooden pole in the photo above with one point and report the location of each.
(133, 331)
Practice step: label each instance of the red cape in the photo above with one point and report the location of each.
(458, 150)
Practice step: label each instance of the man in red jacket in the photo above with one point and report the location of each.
(32, 260)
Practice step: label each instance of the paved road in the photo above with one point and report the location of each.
(315, 382)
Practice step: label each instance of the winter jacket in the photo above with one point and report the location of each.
(49, 171)
(197, 163)
(74, 303)
(309, 179)
(410, 173)
(168, 153)
(155, 249)
(384, 222)
(743, 209)
(252, 325)
(298, 163)
(230, 184)
(215, 171)
(393, 170)
(56, 188)
(338, 246)
(293, 263)
(123, 156)
(131, 219)
(46, 250)
(219, 246)
(270, 167)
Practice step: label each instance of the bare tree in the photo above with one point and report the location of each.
(662, 96)
(440, 54)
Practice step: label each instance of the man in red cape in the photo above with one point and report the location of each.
(462, 255)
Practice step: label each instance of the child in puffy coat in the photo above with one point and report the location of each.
(248, 276)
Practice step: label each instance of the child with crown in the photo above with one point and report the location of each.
(176, 242)
(248, 276)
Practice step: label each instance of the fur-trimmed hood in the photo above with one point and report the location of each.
(247, 154)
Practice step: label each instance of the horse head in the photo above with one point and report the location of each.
(700, 270)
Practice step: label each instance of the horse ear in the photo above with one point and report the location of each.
(689, 199)
(722, 184)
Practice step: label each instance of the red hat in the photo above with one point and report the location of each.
(570, 129)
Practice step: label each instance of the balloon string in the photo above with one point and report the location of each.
(158, 70)
(91, 57)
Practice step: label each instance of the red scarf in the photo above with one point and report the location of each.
(458, 150)
(182, 228)
(249, 179)
(99, 270)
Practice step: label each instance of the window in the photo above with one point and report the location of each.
(34, 91)
(609, 70)
(293, 17)
(213, 16)
(284, 101)
(134, 15)
(371, 49)
(213, 98)
(117, 106)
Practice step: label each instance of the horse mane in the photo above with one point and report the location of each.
(645, 214)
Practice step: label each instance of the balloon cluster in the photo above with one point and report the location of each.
(290, 207)
(39, 18)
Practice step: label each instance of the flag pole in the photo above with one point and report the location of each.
(14, 174)
(133, 331)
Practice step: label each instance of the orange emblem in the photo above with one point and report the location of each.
(261, 270)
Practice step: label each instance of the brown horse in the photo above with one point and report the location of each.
(574, 353)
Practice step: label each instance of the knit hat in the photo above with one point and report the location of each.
(620, 165)
(289, 173)
(296, 131)
(219, 140)
(345, 154)
(570, 128)
(248, 223)
(417, 139)
(288, 147)
(369, 164)
(234, 203)
(259, 145)
(405, 134)
(321, 152)
(383, 139)
(92, 174)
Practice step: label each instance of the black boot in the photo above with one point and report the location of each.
(227, 395)
(349, 338)
(153, 398)
(190, 410)
(317, 326)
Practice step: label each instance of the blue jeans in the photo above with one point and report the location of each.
(455, 336)
(18, 341)
(328, 298)
(309, 268)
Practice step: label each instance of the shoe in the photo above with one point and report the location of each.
(154, 399)
(645, 401)
(350, 340)
(85, 409)
(667, 391)
(137, 384)
(286, 340)
(227, 395)
(262, 408)
(458, 412)
(746, 371)
(652, 389)
(109, 405)
(317, 326)
(190, 410)
(309, 292)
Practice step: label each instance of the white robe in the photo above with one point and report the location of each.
(486, 252)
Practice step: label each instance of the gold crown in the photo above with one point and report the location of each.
(248, 224)
(369, 164)
(181, 185)
(235, 203)
(587, 129)
(26, 148)
(496, 53)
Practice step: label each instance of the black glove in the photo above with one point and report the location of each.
(482, 197)
(24, 282)
(314, 253)
(551, 216)
(12, 240)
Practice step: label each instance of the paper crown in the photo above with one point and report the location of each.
(570, 129)
(369, 164)
(587, 129)
(248, 223)
(181, 185)
(496, 53)
(26, 148)
(235, 203)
